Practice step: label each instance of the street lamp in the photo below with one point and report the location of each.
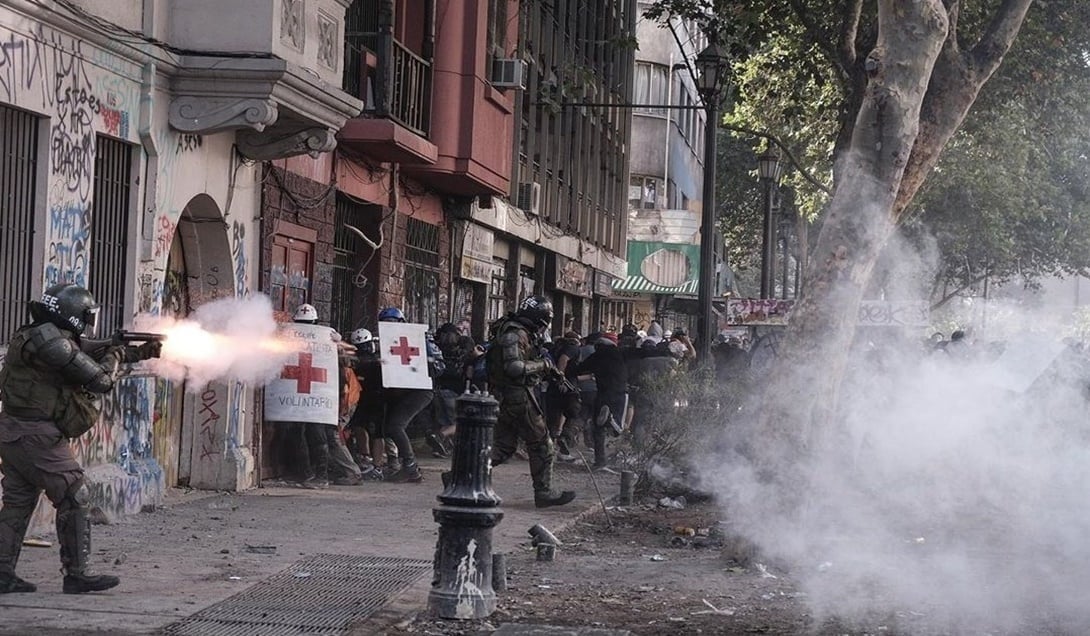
(712, 69)
(768, 169)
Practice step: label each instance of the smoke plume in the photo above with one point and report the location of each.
(949, 496)
(227, 339)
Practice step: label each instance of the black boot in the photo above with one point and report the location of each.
(13, 525)
(10, 583)
(83, 583)
(548, 499)
(74, 535)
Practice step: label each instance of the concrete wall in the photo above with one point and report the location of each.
(83, 86)
(289, 29)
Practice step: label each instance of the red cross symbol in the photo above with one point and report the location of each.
(304, 373)
(404, 351)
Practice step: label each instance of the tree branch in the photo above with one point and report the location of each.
(1004, 27)
(953, 11)
(951, 295)
(787, 151)
(955, 82)
(849, 28)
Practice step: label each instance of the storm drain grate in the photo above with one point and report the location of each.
(318, 595)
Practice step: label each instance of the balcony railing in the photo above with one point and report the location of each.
(410, 94)
(391, 80)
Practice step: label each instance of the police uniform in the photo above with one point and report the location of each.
(44, 371)
(515, 367)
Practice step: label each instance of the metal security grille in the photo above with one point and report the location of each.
(18, 169)
(422, 243)
(497, 290)
(110, 230)
(348, 260)
(360, 34)
(319, 595)
(422, 272)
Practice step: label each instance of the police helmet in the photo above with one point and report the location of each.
(68, 306)
(391, 314)
(536, 310)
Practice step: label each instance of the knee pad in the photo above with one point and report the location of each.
(76, 497)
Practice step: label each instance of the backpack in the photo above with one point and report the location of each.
(351, 390)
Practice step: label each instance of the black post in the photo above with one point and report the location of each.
(468, 510)
(706, 324)
(768, 245)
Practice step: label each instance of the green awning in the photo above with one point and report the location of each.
(639, 284)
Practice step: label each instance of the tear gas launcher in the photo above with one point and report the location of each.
(96, 348)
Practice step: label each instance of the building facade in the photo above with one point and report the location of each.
(166, 154)
(471, 178)
(132, 137)
(666, 179)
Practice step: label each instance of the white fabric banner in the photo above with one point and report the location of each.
(403, 349)
(308, 388)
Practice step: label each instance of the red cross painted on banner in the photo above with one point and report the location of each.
(404, 351)
(304, 373)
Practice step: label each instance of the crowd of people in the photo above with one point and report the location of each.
(557, 396)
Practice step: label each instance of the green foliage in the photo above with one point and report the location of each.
(1011, 194)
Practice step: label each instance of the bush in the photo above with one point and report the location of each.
(677, 415)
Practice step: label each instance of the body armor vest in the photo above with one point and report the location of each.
(28, 390)
(497, 374)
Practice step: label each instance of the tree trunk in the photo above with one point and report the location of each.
(804, 383)
(919, 88)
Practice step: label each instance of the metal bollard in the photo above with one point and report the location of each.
(628, 487)
(546, 552)
(499, 572)
(468, 510)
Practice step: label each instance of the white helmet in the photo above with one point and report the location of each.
(361, 336)
(305, 313)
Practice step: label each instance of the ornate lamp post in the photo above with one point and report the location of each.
(769, 169)
(711, 64)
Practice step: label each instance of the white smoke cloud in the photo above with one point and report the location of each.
(950, 498)
(227, 339)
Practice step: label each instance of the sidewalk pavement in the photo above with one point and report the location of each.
(199, 548)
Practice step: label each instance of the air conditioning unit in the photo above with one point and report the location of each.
(529, 197)
(509, 73)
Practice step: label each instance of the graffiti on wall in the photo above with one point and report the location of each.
(48, 71)
(238, 254)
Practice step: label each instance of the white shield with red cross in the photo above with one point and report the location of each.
(307, 389)
(403, 349)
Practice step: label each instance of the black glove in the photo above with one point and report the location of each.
(150, 349)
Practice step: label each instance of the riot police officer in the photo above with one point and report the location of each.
(515, 367)
(48, 394)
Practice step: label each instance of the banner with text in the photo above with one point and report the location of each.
(307, 389)
(872, 313)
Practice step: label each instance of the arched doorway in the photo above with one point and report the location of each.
(204, 423)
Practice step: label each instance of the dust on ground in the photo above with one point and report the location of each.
(648, 569)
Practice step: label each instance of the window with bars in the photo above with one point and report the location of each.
(18, 186)
(497, 290)
(360, 34)
(422, 267)
(349, 258)
(110, 230)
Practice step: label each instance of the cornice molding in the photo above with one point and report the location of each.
(206, 115)
(231, 87)
(281, 143)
